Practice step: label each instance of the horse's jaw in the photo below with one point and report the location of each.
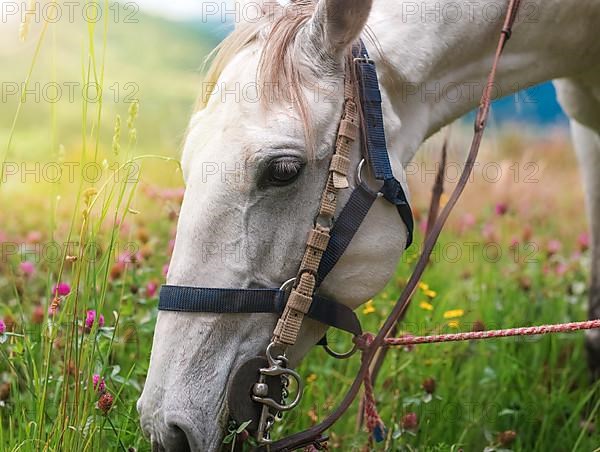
(193, 358)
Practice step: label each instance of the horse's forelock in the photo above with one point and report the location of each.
(289, 62)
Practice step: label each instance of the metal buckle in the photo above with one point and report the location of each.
(363, 59)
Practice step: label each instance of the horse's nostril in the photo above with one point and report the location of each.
(177, 439)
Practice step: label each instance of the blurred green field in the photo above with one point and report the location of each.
(514, 254)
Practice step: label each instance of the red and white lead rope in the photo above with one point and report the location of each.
(491, 334)
(373, 420)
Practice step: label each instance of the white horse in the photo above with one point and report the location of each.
(250, 231)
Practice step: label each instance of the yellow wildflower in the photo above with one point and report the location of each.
(453, 313)
(423, 286)
(311, 378)
(431, 293)
(444, 200)
(369, 308)
(426, 306)
(453, 323)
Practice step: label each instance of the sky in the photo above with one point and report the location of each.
(172, 9)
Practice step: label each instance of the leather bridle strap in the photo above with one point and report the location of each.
(232, 301)
(326, 245)
(288, 325)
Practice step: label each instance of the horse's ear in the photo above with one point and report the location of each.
(338, 23)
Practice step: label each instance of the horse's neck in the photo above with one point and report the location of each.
(437, 54)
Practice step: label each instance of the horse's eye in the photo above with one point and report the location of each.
(283, 171)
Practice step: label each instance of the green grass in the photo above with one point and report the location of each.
(537, 387)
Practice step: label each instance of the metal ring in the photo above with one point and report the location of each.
(359, 178)
(359, 172)
(287, 285)
(337, 355)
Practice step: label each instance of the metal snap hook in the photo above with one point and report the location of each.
(277, 367)
(277, 371)
(280, 360)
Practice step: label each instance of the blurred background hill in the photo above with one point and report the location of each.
(149, 58)
(154, 55)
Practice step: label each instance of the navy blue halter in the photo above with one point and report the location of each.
(329, 312)
(362, 198)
